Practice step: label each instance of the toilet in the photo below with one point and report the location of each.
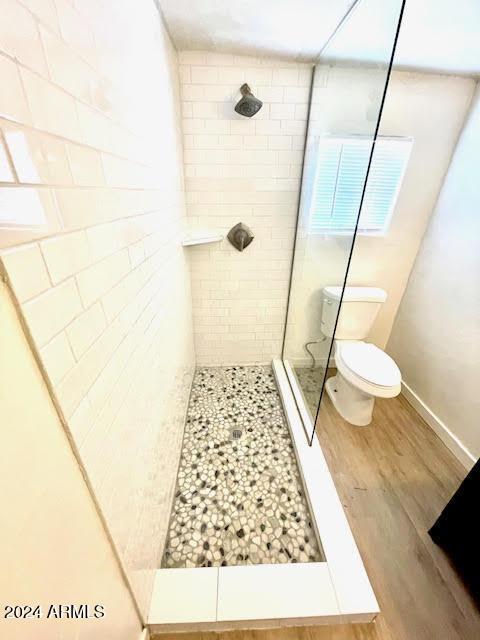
(364, 372)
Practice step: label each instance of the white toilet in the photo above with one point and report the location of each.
(364, 372)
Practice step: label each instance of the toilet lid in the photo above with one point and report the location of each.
(370, 363)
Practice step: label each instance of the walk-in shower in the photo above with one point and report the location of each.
(252, 483)
(167, 252)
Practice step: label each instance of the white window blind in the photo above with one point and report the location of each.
(341, 168)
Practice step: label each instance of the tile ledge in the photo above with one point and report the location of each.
(200, 237)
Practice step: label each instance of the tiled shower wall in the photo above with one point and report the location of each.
(92, 207)
(248, 170)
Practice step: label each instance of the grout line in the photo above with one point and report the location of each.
(74, 141)
(49, 275)
(40, 20)
(3, 143)
(48, 235)
(20, 65)
(22, 85)
(75, 187)
(58, 34)
(38, 28)
(114, 319)
(66, 147)
(122, 339)
(135, 349)
(92, 263)
(85, 308)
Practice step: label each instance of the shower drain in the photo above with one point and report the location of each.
(236, 434)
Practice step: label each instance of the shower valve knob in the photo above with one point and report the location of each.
(240, 236)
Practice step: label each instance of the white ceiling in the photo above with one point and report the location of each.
(437, 35)
(442, 35)
(291, 28)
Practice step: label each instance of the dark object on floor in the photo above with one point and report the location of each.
(457, 530)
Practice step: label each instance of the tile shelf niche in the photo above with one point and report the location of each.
(200, 237)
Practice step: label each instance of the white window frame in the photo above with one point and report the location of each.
(387, 220)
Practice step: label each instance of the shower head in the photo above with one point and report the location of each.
(248, 105)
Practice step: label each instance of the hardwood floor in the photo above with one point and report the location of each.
(393, 477)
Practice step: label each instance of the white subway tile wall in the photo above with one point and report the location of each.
(242, 170)
(91, 140)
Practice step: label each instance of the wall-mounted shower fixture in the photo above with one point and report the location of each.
(248, 105)
(240, 236)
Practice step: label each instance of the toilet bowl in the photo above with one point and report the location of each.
(364, 372)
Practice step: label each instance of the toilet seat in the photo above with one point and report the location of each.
(369, 368)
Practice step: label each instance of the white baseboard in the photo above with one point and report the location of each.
(458, 449)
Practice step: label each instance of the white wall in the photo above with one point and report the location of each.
(89, 110)
(436, 336)
(242, 170)
(53, 548)
(429, 108)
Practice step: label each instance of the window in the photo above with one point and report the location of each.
(340, 173)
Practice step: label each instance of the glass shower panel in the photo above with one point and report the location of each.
(348, 88)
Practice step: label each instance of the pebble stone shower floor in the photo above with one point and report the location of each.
(238, 500)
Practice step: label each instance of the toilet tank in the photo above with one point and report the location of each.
(360, 307)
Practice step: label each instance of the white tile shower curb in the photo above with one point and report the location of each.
(356, 599)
